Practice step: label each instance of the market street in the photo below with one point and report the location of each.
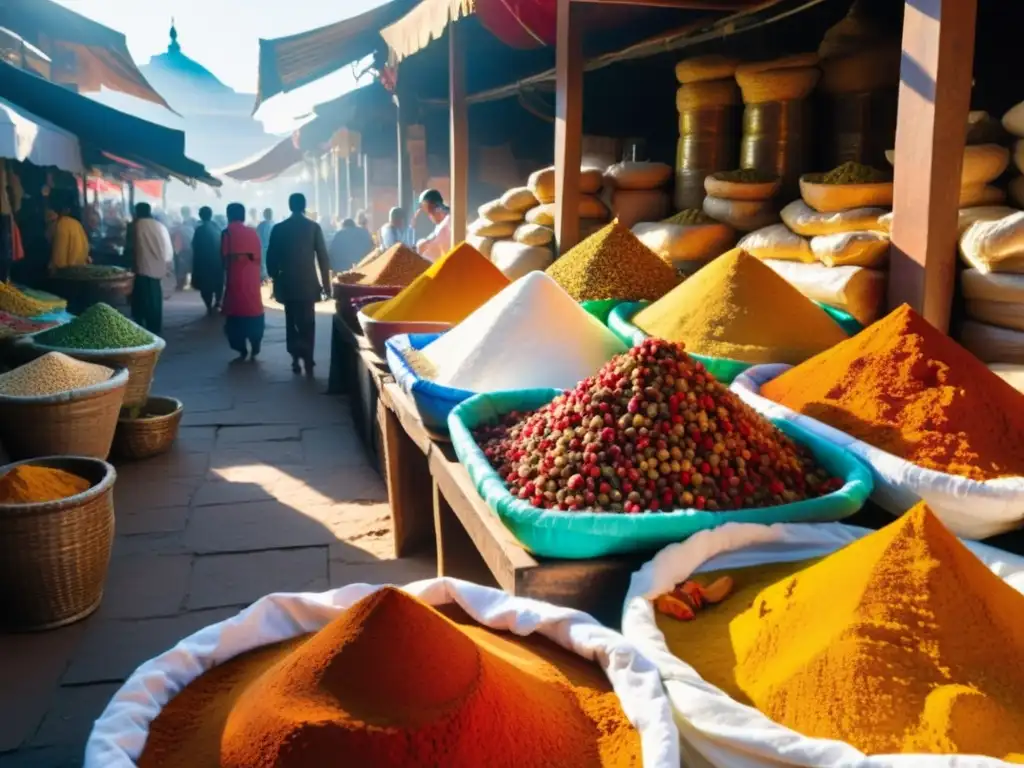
(266, 490)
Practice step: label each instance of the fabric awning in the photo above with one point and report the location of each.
(266, 165)
(100, 127)
(86, 54)
(424, 23)
(287, 63)
(24, 136)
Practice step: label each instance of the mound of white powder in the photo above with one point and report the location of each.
(532, 334)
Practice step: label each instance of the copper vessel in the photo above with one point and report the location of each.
(707, 143)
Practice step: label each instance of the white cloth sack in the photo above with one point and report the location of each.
(119, 734)
(970, 508)
(716, 729)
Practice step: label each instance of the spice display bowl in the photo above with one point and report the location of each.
(149, 433)
(741, 190)
(377, 332)
(343, 292)
(434, 402)
(833, 198)
(82, 293)
(54, 555)
(349, 308)
(600, 308)
(79, 422)
(585, 535)
(119, 734)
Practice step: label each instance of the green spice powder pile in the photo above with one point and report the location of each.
(854, 173)
(99, 327)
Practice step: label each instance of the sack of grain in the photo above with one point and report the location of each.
(777, 242)
(683, 243)
(777, 84)
(981, 194)
(482, 244)
(496, 211)
(1013, 120)
(519, 199)
(983, 163)
(637, 175)
(855, 290)
(542, 183)
(533, 234)
(1016, 190)
(870, 69)
(630, 206)
(991, 344)
(494, 229)
(516, 259)
(806, 221)
(707, 94)
(855, 249)
(1010, 373)
(997, 299)
(995, 245)
(1000, 313)
(700, 68)
(590, 207)
(742, 215)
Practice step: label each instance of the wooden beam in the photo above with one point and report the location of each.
(934, 99)
(459, 116)
(568, 125)
(683, 5)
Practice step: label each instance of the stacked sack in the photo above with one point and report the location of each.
(982, 165)
(638, 191)
(687, 240)
(1013, 122)
(707, 100)
(742, 199)
(833, 243)
(992, 246)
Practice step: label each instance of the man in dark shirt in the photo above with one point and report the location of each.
(349, 246)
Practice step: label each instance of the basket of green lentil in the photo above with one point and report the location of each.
(56, 405)
(103, 335)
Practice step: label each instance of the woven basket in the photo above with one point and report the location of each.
(140, 362)
(76, 423)
(777, 84)
(54, 555)
(833, 198)
(150, 434)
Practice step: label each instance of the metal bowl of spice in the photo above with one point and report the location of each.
(56, 533)
(851, 185)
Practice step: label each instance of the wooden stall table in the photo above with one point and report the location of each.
(431, 491)
(344, 348)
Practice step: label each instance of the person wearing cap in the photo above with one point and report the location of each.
(397, 230)
(439, 242)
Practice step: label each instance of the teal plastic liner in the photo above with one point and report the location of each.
(846, 321)
(582, 535)
(620, 323)
(600, 308)
(433, 401)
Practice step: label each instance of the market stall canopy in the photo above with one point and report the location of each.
(85, 54)
(100, 127)
(266, 165)
(24, 136)
(287, 63)
(369, 110)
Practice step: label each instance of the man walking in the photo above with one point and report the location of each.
(296, 250)
(263, 230)
(154, 257)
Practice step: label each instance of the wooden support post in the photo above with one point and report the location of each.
(408, 481)
(348, 186)
(935, 95)
(366, 184)
(316, 186)
(403, 158)
(568, 126)
(459, 131)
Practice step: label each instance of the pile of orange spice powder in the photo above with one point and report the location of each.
(904, 387)
(394, 682)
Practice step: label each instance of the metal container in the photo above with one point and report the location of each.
(859, 127)
(776, 139)
(707, 143)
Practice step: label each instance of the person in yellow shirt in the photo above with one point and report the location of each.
(70, 243)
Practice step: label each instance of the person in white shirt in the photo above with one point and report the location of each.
(153, 256)
(397, 230)
(439, 241)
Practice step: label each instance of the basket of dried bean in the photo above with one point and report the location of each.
(56, 534)
(147, 431)
(104, 336)
(57, 405)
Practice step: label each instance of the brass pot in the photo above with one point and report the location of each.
(776, 139)
(707, 143)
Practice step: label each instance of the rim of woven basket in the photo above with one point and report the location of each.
(118, 379)
(47, 507)
(160, 417)
(157, 344)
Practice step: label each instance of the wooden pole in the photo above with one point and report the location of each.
(316, 187)
(349, 197)
(568, 125)
(403, 160)
(336, 165)
(459, 117)
(131, 199)
(366, 184)
(934, 99)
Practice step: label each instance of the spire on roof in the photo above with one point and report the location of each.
(173, 47)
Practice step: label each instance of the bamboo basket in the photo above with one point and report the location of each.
(76, 423)
(54, 555)
(140, 362)
(152, 433)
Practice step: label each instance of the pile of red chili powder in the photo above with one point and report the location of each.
(394, 682)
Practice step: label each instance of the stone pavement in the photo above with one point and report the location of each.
(265, 491)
